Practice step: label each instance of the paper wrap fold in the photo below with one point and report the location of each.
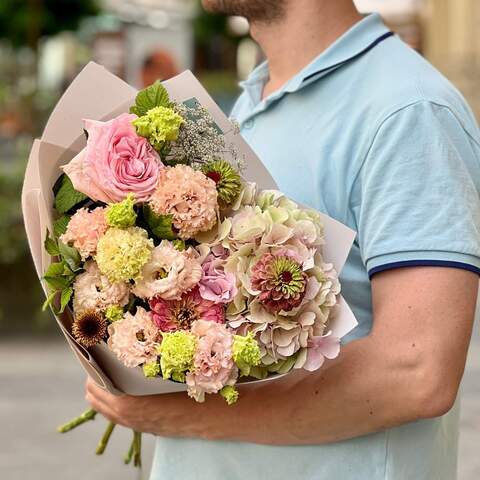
(97, 94)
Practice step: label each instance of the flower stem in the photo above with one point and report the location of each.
(102, 445)
(137, 454)
(128, 456)
(74, 423)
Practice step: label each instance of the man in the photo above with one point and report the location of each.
(352, 122)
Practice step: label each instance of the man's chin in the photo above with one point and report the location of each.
(217, 6)
(260, 10)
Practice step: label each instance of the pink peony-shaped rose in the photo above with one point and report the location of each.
(216, 285)
(213, 366)
(172, 315)
(115, 162)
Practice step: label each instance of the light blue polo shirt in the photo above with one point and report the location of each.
(386, 145)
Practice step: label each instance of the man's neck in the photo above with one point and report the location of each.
(307, 29)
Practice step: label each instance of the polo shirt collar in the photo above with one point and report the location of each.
(346, 47)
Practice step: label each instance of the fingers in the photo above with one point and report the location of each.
(103, 402)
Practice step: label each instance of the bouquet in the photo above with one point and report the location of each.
(163, 259)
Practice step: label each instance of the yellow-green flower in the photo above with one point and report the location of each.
(230, 394)
(177, 350)
(246, 353)
(159, 125)
(151, 369)
(121, 253)
(122, 214)
(114, 313)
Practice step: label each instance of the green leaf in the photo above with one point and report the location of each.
(67, 197)
(59, 275)
(160, 225)
(57, 283)
(60, 225)
(48, 301)
(51, 245)
(55, 269)
(70, 255)
(65, 297)
(153, 96)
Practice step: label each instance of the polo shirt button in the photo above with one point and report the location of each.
(249, 123)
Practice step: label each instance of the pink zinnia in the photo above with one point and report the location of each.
(171, 315)
(84, 230)
(280, 281)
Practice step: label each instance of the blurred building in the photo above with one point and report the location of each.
(452, 43)
(447, 32)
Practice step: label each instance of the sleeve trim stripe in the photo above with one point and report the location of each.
(423, 263)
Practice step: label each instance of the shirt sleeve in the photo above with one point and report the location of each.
(419, 192)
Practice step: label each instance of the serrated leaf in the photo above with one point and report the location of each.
(67, 197)
(153, 96)
(60, 226)
(57, 283)
(65, 297)
(70, 255)
(51, 245)
(160, 225)
(55, 269)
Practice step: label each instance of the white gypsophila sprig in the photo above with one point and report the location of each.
(199, 140)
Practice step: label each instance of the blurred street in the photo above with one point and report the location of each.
(45, 388)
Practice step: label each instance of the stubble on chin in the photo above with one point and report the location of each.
(253, 10)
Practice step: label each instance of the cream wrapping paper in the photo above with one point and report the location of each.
(97, 94)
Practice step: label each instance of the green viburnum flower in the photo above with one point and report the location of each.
(122, 214)
(159, 125)
(113, 313)
(121, 253)
(246, 353)
(177, 350)
(230, 394)
(151, 369)
(227, 179)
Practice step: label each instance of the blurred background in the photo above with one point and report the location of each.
(43, 44)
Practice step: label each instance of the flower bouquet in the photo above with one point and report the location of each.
(168, 257)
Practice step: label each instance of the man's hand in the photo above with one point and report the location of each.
(169, 415)
(408, 368)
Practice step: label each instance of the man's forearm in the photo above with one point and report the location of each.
(363, 391)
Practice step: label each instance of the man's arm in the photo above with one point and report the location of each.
(408, 368)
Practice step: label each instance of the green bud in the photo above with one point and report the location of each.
(230, 394)
(114, 313)
(122, 215)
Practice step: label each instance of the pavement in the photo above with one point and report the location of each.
(41, 386)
